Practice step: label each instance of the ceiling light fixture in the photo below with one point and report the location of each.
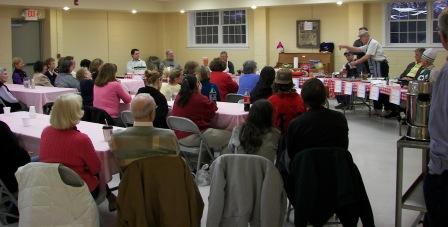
(182, 11)
(253, 7)
(66, 8)
(339, 3)
(133, 11)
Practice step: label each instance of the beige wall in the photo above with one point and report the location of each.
(5, 36)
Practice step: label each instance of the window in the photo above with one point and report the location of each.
(225, 28)
(409, 24)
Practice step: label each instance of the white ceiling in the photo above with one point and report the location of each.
(161, 5)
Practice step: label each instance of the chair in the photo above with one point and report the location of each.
(186, 125)
(323, 182)
(96, 115)
(245, 189)
(7, 203)
(127, 118)
(47, 108)
(231, 97)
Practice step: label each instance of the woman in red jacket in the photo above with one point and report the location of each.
(62, 143)
(286, 101)
(191, 104)
(222, 79)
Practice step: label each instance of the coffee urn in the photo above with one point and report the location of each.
(417, 110)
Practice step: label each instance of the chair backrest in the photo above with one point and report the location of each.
(7, 204)
(96, 115)
(127, 118)
(2, 103)
(182, 124)
(231, 97)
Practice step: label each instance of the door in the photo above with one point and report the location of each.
(26, 42)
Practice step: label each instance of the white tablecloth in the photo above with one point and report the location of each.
(38, 96)
(228, 116)
(132, 85)
(30, 137)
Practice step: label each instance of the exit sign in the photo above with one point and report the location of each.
(31, 14)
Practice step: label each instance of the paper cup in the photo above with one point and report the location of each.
(32, 111)
(26, 122)
(6, 110)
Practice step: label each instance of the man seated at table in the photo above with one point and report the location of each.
(143, 139)
(350, 72)
(169, 61)
(6, 97)
(225, 57)
(135, 65)
(414, 68)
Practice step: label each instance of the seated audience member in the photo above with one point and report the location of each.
(204, 77)
(191, 67)
(348, 71)
(172, 88)
(18, 75)
(169, 61)
(225, 57)
(6, 96)
(95, 67)
(62, 143)
(263, 89)
(86, 85)
(319, 126)
(249, 78)
(286, 101)
(83, 74)
(153, 64)
(191, 104)
(85, 63)
(39, 78)
(428, 72)
(71, 58)
(222, 79)
(136, 64)
(413, 68)
(65, 77)
(108, 92)
(257, 135)
(51, 67)
(153, 84)
(12, 157)
(143, 139)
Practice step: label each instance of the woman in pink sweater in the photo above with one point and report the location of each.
(62, 143)
(108, 92)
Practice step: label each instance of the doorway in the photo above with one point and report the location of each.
(26, 42)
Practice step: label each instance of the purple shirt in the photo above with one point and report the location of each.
(18, 75)
(438, 124)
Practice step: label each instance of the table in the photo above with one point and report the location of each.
(132, 85)
(228, 116)
(413, 198)
(30, 138)
(38, 96)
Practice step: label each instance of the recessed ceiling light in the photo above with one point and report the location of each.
(253, 7)
(66, 8)
(133, 11)
(182, 11)
(339, 3)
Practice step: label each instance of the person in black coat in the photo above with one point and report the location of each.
(12, 156)
(153, 85)
(263, 88)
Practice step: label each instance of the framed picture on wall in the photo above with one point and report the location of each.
(308, 33)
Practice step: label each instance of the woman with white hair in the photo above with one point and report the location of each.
(6, 97)
(249, 78)
(62, 142)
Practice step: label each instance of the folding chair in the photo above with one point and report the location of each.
(231, 97)
(47, 108)
(127, 118)
(7, 203)
(186, 125)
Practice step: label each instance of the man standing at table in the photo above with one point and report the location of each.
(135, 65)
(364, 67)
(169, 61)
(225, 57)
(374, 55)
(435, 186)
(143, 139)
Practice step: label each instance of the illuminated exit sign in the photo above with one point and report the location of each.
(31, 14)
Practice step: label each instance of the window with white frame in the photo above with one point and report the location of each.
(409, 24)
(224, 28)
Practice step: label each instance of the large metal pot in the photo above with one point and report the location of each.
(417, 111)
